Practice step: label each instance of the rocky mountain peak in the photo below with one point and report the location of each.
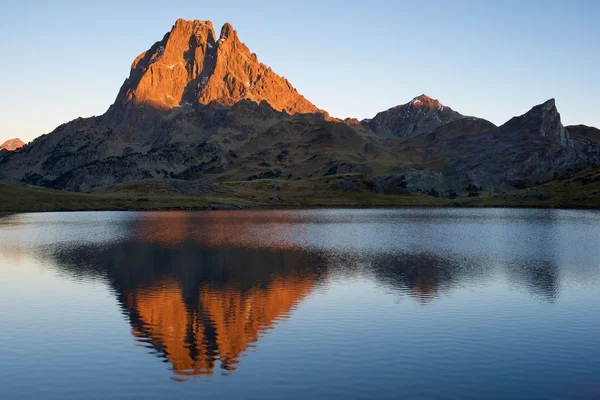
(424, 101)
(543, 119)
(189, 66)
(12, 144)
(228, 32)
(547, 108)
(422, 114)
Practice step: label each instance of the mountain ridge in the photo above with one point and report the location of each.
(187, 113)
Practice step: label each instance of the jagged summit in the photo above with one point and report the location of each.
(424, 101)
(543, 119)
(422, 114)
(228, 31)
(190, 66)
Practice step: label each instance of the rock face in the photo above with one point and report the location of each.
(542, 120)
(12, 145)
(423, 114)
(191, 66)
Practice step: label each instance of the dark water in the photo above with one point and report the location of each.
(348, 304)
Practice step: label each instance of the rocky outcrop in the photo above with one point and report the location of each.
(12, 145)
(191, 66)
(541, 121)
(423, 114)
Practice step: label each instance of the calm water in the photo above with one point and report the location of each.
(348, 304)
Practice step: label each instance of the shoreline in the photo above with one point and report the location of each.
(230, 207)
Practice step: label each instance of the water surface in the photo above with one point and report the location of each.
(353, 304)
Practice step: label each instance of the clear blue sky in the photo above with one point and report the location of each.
(494, 59)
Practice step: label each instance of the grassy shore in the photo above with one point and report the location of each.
(14, 198)
(262, 194)
(581, 190)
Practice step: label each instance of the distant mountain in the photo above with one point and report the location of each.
(197, 111)
(12, 145)
(423, 114)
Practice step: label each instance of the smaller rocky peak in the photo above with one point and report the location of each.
(189, 31)
(428, 103)
(548, 108)
(549, 103)
(12, 144)
(543, 119)
(424, 101)
(227, 32)
(352, 121)
(183, 25)
(422, 114)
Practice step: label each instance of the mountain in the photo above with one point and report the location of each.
(423, 114)
(197, 112)
(525, 151)
(12, 145)
(191, 66)
(245, 141)
(541, 121)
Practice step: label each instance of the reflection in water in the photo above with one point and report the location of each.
(202, 307)
(540, 277)
(199, 307)
(242, 230)
(424, 275)
(201, 289)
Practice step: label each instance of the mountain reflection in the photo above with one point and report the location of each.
(424, 275)
(540, 277)
(200, 308)
(201, 289)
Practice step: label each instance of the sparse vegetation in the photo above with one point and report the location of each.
(580, 190)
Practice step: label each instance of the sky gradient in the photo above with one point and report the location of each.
(493, 59)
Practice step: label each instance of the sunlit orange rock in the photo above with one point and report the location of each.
(191, 66)
(12, 145)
